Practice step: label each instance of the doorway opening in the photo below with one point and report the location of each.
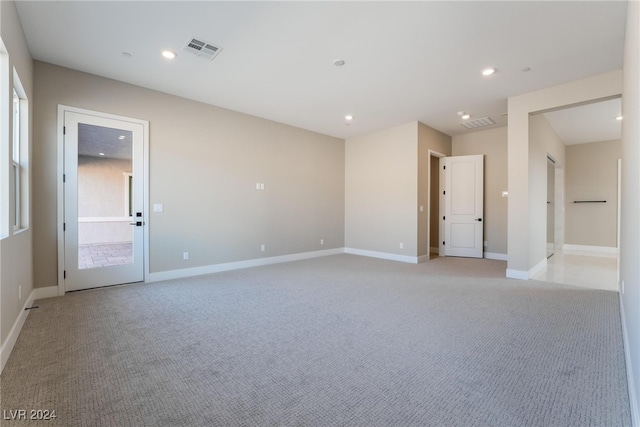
(582, 228)
(551, 206)
(434, 207)
(434, 199)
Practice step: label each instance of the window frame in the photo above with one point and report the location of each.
(16, 168)
(19, 181)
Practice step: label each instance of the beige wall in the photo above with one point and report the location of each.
(204, 164)
(493, 144)
(526, 234)
(381, 187)
(630, 215)
(428, 139)
(386, 182)
(592, 174)
(16, 249)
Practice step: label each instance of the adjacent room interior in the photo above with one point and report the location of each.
(313, 213)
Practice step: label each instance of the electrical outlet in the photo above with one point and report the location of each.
(185, 256)
(263, 248)
(401, 245)
(485, 244)
(322, 241)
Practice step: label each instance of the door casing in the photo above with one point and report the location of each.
(62, 109)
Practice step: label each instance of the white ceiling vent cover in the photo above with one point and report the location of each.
(478, 123)
(202, 49)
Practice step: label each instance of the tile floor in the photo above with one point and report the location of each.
(580, 270)
(104, 254)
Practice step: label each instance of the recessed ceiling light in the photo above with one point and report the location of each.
(101, 154)
(348, 117)
(465, 116)
(126, 54)
(488, 71)
(339, 62)
(121, 137)
(169, 54)
(619, 118)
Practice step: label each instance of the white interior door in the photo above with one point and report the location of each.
(103, 201)
(463, 196)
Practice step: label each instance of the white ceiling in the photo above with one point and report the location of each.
(587, 123)
(405, 61)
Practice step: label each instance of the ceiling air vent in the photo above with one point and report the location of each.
(478, 123)
(202, 49)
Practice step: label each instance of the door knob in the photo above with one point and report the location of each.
(479, 219)
(137, 223)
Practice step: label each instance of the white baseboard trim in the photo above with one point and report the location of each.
(216, 268)
(539, 268)
(526, 275)
(48, 292)
(10, 342)
(382, 255)
(517, 274)
(633, 399)
(424, 258)
(492, 255)
(599, 251)
(36, 294)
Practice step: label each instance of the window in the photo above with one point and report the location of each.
(19, 157)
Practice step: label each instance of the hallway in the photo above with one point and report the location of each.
(594, 272)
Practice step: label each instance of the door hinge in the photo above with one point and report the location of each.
(442, 243)
(64, 226)
(64, 177)
(64, 274)
(444, 192)
(444, 167)
(64, 130)
(444, 218)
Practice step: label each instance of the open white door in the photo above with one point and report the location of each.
(463, 196)
(103, 201)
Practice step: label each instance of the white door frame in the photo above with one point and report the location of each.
(62, 109)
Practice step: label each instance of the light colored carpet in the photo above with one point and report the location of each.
(335, 341)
